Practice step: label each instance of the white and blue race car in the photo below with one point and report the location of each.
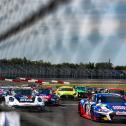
(24, 98)
(103, 107)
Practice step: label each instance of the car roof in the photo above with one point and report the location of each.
(116, 89)
(80, 86)
(66, 87)
(107, 94)
(23, 88)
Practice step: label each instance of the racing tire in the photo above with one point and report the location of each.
(43, 109)
(81, 111)
(2, 101)
(93, 118)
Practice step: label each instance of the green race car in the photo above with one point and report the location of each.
(82, 92)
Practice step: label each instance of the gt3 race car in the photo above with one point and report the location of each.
(48, 96)
(103, 107)
(117, 91)
(1, 96)
(66, 92)
(24, 99)
(82, 92)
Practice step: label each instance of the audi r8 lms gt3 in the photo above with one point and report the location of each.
(48, 96)
(103, 107)
(24, 99)
(66, 92)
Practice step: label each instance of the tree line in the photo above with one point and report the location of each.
(22, 67)
(90, 65)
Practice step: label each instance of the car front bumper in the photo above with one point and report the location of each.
(112, 116)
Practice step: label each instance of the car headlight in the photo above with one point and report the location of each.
(106, 110)
(39, 99)
(58, 93)
(11, 99)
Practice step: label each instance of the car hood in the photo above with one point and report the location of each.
(66, 92)
(81, 91)
(114, 106)
(44, 95)
(24, 98)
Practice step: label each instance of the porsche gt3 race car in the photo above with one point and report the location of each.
(65, 92)
(24, 99)
(103, 107)
(48, 96)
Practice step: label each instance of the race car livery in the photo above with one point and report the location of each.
(48, 96)
(117, 91)
(103, 107)
(82, 92)
(66, 92)
(24, 99)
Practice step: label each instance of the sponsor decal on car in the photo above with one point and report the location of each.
(119, 107)
(120, 113)
(23, 99)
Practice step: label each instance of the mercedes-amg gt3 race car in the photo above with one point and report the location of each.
(65, 92)
(24, 99)
(103, 107)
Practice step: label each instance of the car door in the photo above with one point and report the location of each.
(88, 105)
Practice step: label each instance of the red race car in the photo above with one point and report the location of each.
(117, 91)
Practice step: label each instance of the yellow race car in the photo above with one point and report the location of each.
(66, 92)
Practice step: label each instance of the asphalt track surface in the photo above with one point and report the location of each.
(67, 115)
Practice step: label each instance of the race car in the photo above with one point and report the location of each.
(92, 90)
(117, 91)
(1, 96)
(65, 92)
(103, 107)
(82, 92)
(23, 98)
(47, 95)
(124, 95)
(4, 91)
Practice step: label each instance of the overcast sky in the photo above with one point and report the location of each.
(82, 31)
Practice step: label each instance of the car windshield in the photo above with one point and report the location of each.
(117, 91)
(23, 92)
(1, 91)
(44, 91)
(81, 88)
(111, 99)
(124, 93)
(66, 89)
